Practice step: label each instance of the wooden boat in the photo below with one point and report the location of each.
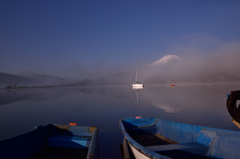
(52, 141)
(155, 138)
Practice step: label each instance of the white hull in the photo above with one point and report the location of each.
(137, 154)
(137, 85)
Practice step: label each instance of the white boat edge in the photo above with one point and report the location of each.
(137, 154)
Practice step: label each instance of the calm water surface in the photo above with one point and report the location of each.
(205, 105)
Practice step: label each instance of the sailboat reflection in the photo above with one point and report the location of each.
(135, 92)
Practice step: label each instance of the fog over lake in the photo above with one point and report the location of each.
(203, 104)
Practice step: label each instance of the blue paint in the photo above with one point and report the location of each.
(140, 122)
(228, 94)
(211, 142)
(69, 141)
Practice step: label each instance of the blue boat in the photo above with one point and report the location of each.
(155, 138)
(52, 141)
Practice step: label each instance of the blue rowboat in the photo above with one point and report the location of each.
(52, 141)
(156, 138)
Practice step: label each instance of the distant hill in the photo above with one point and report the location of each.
(30, 80)
(47, 80)
(40, 80)
(86, 82)
(6, 79)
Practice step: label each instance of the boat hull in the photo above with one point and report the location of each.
(137, 85)
(158, 138)
(137, 154)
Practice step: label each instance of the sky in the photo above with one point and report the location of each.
(76, 39)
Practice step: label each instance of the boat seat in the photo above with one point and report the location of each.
(69, 141)
(192, 147)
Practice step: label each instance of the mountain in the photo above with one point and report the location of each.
(31, 80)
(86, 82)
(39, 79)
(172, 69)
(166, 60)
(6, 78)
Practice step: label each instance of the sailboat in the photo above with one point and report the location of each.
(136, 85)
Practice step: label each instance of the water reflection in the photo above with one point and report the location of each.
(205, 105)
(167, 108)
(135, 92)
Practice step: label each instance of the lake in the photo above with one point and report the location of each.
(202, 104)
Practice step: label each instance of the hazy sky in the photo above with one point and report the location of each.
(68, 38)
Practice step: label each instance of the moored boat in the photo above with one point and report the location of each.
(52, 141)
(157, 138)
(136, 85)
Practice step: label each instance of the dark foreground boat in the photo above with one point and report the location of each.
(233, 108)
(52, 141)
(156, 138)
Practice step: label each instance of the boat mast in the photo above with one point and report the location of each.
(136, 76)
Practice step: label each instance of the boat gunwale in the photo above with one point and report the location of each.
(140, 148)
(91, 148)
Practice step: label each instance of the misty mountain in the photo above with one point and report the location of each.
(86, 82)
(6, 79)
(171, 69)
(168, 69)
(30, 80)
(39, 79)
(120, 78)
(126, 77)
(174, 69)
(168, 59)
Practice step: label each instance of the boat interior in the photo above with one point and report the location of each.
(65, 142)
(170, 139)
(52, 141)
